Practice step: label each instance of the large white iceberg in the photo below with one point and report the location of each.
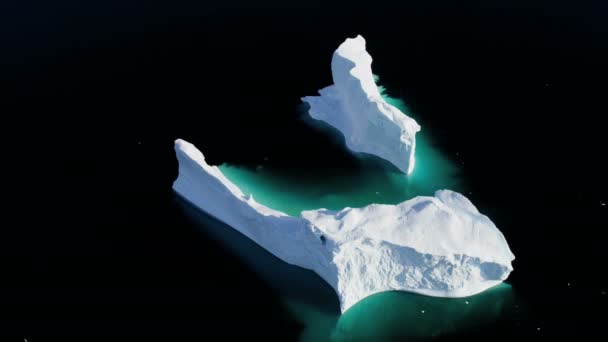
(354, 106)
(437, 246)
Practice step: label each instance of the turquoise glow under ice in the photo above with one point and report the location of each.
(396, 315)
(351, 188)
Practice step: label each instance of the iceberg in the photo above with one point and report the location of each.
(355, 107)
(437, 246)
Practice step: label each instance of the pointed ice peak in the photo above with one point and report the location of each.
(354, 106)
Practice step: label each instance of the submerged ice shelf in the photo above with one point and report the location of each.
(354, 106)
(437, 246)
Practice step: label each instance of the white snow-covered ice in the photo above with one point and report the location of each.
(354, 106)
(437, 246)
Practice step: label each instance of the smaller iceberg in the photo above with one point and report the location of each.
(354, 106)
(437, 246)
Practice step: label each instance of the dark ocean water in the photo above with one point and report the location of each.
(510, 96)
